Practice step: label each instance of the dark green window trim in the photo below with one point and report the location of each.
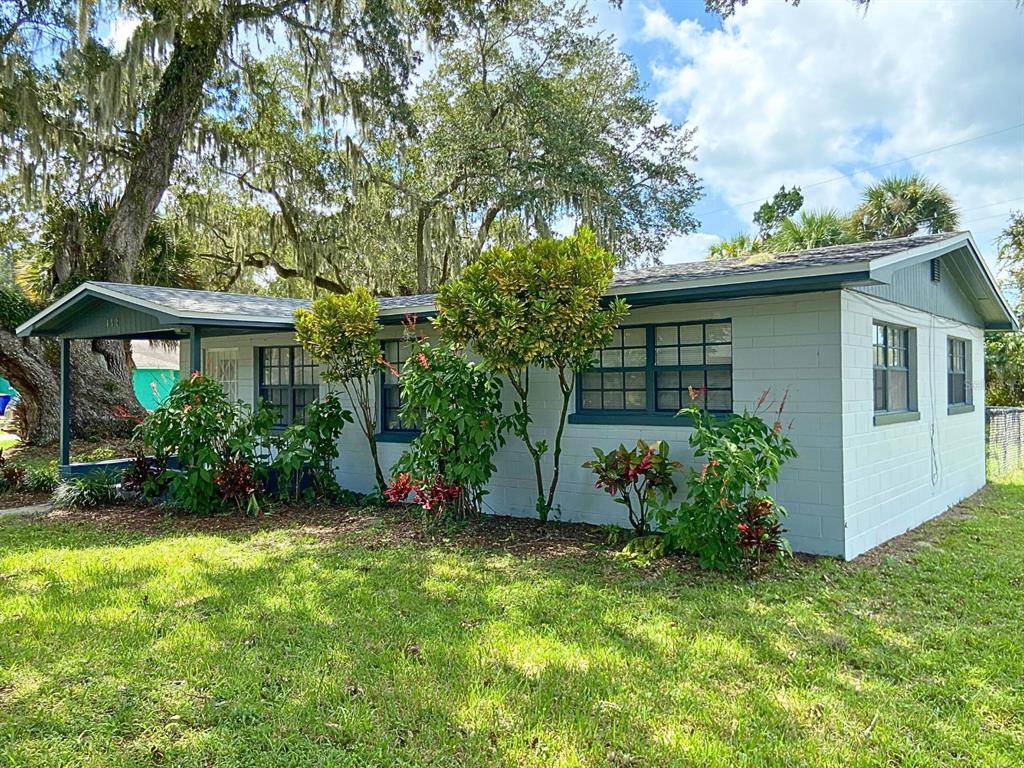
(288, 398)
(389, 397)
(650, 413)
(954, 410)
(896, 417)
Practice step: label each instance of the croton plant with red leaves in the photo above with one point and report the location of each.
(636, 478)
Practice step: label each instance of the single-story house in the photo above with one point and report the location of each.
(879, 345)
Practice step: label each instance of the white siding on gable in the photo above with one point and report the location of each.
(899, 475)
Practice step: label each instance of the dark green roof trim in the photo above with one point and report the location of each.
(805, 284)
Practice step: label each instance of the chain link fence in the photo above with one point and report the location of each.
(1004, 440)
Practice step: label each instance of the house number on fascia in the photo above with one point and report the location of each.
(113, 322)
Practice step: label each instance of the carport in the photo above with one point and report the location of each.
(123, 311)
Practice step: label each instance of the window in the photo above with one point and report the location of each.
(958, 372)
(650, 370)
(222, 366)
(893, 375)
(289, 379)
(395, 352)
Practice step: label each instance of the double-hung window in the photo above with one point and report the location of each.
(650, 370)
(893, 372)
(396, 352)
(289, 379)
(958, 378)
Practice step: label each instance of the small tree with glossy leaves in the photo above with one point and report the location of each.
(342, 333)
(535, 305)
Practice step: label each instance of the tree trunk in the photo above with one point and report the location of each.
(197, 41)
(103, 402)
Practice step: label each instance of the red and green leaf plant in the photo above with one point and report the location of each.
(237, 485)
(457, 404)
(637, 478)
(146, 477)
(744, 455)
(536, 305)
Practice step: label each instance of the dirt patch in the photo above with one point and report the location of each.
(903, 547)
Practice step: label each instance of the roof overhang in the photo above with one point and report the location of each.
(98, 311)
(102, 311)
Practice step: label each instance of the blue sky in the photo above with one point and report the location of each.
(822, 94)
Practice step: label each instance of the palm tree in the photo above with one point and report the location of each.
(813, 229)
(901, 205)
(739, 246)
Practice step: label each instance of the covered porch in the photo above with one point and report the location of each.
(125, 312)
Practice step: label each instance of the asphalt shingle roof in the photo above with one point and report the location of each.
(186, 302)
(812, 257)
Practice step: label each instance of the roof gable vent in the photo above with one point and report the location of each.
(936, 270)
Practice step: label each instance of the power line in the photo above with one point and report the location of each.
(869, 168)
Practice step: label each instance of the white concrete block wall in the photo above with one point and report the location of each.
(899, 475)
(778, 343)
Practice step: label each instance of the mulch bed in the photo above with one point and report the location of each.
(13, 499)
(383, 525)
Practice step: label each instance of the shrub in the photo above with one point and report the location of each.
(537, 304)
(744, 455)
(636, 478)
(92, 490)
(198, 424)
(146, 478)
(457, 404)
(342, 333)
(11, 475)
(237, 485)
(42, 478)
(311, 449)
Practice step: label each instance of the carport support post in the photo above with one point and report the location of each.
(195, 349)
(65, 401)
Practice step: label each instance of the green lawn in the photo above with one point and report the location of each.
(119, 648)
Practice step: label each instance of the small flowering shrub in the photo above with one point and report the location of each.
(728, 517)
(636, 478)
(458, 405)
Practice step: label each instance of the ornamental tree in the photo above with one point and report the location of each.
(342, 333)
(535, 305)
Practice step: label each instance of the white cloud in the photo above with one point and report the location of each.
(121, 30)
(784, 95)
(691, 247)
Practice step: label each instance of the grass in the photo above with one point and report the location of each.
(119, 648)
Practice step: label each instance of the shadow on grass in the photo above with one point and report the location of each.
(276, 649)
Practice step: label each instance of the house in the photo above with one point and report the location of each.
(156, 370)
(879, 345)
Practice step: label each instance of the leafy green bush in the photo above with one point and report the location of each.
(457, 404)
(15, 307)
(342, 333)
(42, 478)
(92, 490)
(540, 305)
(198, 424)
(636, 478)
(744, 455)
(310, 449)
